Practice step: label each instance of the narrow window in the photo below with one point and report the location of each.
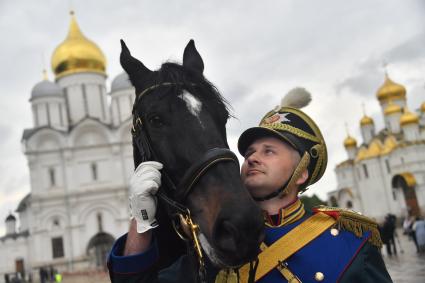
(387, 164)
(60, 114)
(365, 171)
(57, 247)
(99, 222)
(48, 114)
(86, 105)
(94, 171)
(52, 177)
(102, 102)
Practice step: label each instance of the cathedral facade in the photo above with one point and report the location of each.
(386, 172)
(79, 154)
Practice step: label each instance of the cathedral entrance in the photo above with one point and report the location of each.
(407, 182)
(98, 248)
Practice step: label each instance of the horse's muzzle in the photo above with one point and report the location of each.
(237, 236)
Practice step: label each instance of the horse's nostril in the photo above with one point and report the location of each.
(227, 236)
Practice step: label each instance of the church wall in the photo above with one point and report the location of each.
(12, 250)
(372, 191)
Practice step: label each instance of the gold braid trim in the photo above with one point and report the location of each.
(291, 129)
(302, 165)
(356, 223)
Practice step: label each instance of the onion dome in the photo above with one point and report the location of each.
(408, 118)
(10, 217)
(45, 88)
(77, 54)
(121, 82)
(350, 142)
(392, 108)
(366, 120)
(390, 90)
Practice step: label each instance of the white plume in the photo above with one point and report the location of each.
(298, 97)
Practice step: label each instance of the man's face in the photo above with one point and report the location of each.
(269, 163)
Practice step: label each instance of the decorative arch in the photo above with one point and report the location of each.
(90, 132)
(46, 139)
(345, 191)
(48, 218)
(406, 181)
(98, 248)
(97, 207)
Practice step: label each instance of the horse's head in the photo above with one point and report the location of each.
(184, 117)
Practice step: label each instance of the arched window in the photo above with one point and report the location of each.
(349, 204)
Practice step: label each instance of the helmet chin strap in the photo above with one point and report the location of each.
(282, 191)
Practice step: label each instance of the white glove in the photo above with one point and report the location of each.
(144, 184)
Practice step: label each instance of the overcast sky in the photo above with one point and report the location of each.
(254, 52)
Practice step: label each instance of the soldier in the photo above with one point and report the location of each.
(284, 155)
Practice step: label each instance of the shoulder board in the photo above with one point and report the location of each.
(355, 222)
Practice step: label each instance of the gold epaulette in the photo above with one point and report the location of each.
(353, 221)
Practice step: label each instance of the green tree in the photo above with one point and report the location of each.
(310, 202)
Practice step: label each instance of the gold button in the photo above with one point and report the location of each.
(334, 232)
(319, 276)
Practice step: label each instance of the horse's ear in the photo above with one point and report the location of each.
(134, 68)
(192, 59)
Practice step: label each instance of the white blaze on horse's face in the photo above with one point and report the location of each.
(193, 104)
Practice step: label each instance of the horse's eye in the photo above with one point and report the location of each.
(155, 121)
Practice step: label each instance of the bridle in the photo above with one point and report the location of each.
(174, 196)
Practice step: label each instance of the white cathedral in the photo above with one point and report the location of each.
(80, 158)
(386, 172)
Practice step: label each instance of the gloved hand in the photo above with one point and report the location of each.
(144, 184)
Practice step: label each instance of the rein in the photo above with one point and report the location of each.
(174, 195)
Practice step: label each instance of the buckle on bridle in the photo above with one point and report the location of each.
(188, 231)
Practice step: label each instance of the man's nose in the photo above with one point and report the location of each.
(253, 158)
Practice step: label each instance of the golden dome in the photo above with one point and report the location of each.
(350, 142)
(390, 144)
(392, 108)
(408, 118)
(366, 120)
(390, 90)
(77, 54)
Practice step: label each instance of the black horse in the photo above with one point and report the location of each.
(179, 119)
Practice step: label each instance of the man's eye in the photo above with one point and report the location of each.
(156, 121)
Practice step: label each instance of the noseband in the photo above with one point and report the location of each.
(174, 196)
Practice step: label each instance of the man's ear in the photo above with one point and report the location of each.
(301, 180)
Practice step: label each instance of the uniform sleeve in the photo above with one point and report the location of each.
(367, 267)
(142, 268)
(134, 268)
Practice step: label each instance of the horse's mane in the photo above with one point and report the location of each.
(195, 83)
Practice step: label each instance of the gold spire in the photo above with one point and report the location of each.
(45, 77)
(392, 108)
(390, 90)
(77, 53)
(408, 118)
